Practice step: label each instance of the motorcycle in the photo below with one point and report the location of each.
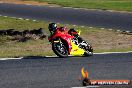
(70, 44)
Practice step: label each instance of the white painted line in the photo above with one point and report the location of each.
(86, 87)
(118, 30)
(102, 28)
(127, 31)
(20, 18)
(5, 16)
(86, 9)
(78, 87)
(67, 7)
(113, 52)
(77, 8)
(110, 29)
(26, 19)
(90, 27)
(13, 17)
(110, 10)
(82, 26)
(51, 6)
(11, 58)
(74, 25)
(51, 56)
(91, 86)
(34, 20)
(56, 56)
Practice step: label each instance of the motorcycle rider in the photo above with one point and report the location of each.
(54, 29)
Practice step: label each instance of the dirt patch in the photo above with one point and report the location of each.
(109, 40)
(24, 2)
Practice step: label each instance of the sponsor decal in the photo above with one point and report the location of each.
(87, 81)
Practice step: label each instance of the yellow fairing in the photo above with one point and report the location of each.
(56, 41)
(79, 32)
(76, 51)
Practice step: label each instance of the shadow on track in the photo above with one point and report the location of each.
(52, 57)
(38, 57)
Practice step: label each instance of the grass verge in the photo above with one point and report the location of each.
(101, 40)
(121, 5)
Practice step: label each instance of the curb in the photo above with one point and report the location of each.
(113, 53)
(11, 58)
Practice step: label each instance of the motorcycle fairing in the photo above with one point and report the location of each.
(76, 51)
(64, 36)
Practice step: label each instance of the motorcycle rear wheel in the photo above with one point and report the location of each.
(59, 49)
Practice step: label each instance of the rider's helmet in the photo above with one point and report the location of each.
(62, 28)
(52, 27)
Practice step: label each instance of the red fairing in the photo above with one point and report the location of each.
(63, 35)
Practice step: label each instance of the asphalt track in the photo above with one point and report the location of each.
(41, 72)
(83, 17)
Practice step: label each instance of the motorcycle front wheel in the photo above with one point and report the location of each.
(89, 50)
(59, 49)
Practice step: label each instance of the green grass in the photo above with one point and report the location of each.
(29, 48)
(9, 23)
(121, 5)
(101, 40)
(10, 48)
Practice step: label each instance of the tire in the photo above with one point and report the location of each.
(57, 51)
(89, 52)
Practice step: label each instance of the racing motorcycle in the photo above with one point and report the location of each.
(70, 44)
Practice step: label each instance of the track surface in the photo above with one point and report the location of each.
(40, 72)
(71, 16)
